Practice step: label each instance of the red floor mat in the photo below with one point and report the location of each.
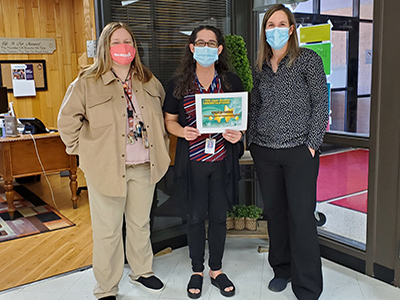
(357, 202)
(342, 174)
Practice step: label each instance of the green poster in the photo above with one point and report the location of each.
(324, 50)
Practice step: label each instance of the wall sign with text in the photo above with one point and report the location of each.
(27, 46)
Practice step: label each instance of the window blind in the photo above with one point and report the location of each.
(161, 28)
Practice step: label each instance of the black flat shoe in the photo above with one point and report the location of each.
(195, 282)
(151, 283)
(222, 282)
(278, 284)
(108, 298)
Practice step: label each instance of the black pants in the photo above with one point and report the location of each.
(288, 184)
(208, 199)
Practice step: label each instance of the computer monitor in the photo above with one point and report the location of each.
(33, 126)
(3, 100)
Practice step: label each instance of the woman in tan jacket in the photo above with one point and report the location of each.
(111, 117)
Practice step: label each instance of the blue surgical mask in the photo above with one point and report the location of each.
(205, 56)
(277, 37)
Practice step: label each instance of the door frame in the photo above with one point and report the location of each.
(384, 223)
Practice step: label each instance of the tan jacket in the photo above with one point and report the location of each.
(92, 124)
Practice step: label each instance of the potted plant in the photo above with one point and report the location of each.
(238, 59)
(240, 214)
(230, 219)
(253, 213)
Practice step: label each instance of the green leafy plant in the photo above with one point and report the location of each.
(254, 212)
(238, 58)
(230, 214)
(240, 211)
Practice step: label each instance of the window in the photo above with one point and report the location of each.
(302, 7)
(162, 27)
(366, 9)
(337, 7)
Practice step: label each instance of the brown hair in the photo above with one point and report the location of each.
(265, 50)
(186, 72)
(104, 62)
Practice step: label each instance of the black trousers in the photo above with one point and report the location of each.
(208, 199)
(288, 185)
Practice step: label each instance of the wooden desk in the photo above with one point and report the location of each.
(18, 159)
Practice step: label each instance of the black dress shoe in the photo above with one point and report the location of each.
(151, 283)
(278, 284)
(108, 298)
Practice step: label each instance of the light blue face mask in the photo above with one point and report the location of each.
(277, 37)
(205, 56)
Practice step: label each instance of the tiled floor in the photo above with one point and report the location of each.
(247, 268)
(344, 222)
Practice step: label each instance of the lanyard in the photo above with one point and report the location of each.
(215, 85)
(138, 130)
(130, 107)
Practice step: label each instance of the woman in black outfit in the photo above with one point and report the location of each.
(209, 181)
(287, 121)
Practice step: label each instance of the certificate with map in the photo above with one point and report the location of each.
(217, 112)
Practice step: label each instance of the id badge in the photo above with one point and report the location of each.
(210, 146)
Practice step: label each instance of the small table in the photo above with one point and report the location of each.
(18, 158)
(249, 177)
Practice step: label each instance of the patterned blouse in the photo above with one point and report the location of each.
(289, 107)
(197, 146)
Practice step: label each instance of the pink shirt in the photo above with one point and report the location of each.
(135, 153)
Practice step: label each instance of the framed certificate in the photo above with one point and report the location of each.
(217, 112)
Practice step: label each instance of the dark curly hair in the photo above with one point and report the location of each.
(186, 72)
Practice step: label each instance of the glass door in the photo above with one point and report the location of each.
(342, 189)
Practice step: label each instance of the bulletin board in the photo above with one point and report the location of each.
(39, 73)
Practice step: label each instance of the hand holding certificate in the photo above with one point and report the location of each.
(218, 112)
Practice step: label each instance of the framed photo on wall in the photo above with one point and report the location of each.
(38, 68)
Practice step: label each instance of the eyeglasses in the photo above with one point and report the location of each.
(201, 43)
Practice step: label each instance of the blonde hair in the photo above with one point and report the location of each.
(264, 49)
(104, 62)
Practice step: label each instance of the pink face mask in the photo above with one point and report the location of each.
(122, 54)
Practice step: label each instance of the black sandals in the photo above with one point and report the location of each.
(222, 282)
(196, 282)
